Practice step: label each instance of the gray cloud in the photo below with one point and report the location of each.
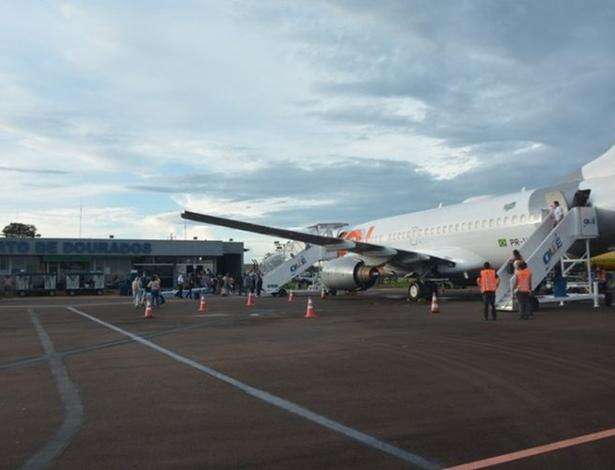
(363, 189)
(36, 171)
(488, 72)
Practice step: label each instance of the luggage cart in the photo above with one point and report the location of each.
(85, 283)
(34, 283)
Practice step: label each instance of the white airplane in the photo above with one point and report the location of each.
(453, 241)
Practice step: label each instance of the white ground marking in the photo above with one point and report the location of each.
(274, 400)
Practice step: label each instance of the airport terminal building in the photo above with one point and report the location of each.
(118, 258)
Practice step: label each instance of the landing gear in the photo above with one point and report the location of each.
(421, 290)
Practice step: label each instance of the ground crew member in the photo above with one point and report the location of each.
(488, 281)
(602, 277)
(523, 285)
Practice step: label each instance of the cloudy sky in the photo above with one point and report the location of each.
(290, 113)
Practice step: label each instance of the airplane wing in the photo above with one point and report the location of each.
(332, 243)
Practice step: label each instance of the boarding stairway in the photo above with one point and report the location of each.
(547, 247)
(293, 258)
(294, 266)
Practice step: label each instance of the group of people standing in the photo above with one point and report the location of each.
(145, 288)
(225, 285)
(488, 281)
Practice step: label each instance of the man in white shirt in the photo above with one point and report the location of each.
(557, 212)
(180, 286)
(136, 291)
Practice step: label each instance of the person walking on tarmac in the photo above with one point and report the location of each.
(180, 286)
(488, 281)
(523, 285)
(136, 291)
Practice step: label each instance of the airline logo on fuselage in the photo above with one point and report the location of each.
(357, 235)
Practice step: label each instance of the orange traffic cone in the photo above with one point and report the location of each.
(310, 313)
(250, 302)
(435, 308)
(148, 310)
(323, 294)
(203, 305)
(291, 296)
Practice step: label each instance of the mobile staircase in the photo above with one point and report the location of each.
(288, 262)
(547, 247)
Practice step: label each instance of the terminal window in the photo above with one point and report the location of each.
(4, 264)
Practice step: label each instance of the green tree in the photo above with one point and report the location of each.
(17, 230)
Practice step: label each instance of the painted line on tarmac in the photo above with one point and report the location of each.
(274, 400)
(107, 344)
(524, 454)
(59, 305)
(73, 408)
(23, 362)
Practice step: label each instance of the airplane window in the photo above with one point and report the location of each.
(450, 228)
(456, 227)
(491, 223)
(438, 230)
(506, 220)
(522, 219)
(463, 226)
(484, 224)
(514, 220)
(432, 231)
(477, 225)
(498, 222)
(444, 230)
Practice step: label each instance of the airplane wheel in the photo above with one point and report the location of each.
(416, 291)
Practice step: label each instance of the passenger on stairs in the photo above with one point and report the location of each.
(523, 286)
(514, 261)
(557, 213)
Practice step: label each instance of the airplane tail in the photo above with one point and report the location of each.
(604, 165)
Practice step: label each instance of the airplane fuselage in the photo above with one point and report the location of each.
(488, 228)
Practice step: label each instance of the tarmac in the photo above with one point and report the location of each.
(374, 382)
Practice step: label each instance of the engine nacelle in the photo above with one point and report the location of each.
(348, 273)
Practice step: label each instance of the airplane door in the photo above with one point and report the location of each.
(552, 196)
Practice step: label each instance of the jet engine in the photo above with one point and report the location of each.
(348, 273)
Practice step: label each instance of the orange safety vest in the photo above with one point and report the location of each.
(488, 282)
(524, 280)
